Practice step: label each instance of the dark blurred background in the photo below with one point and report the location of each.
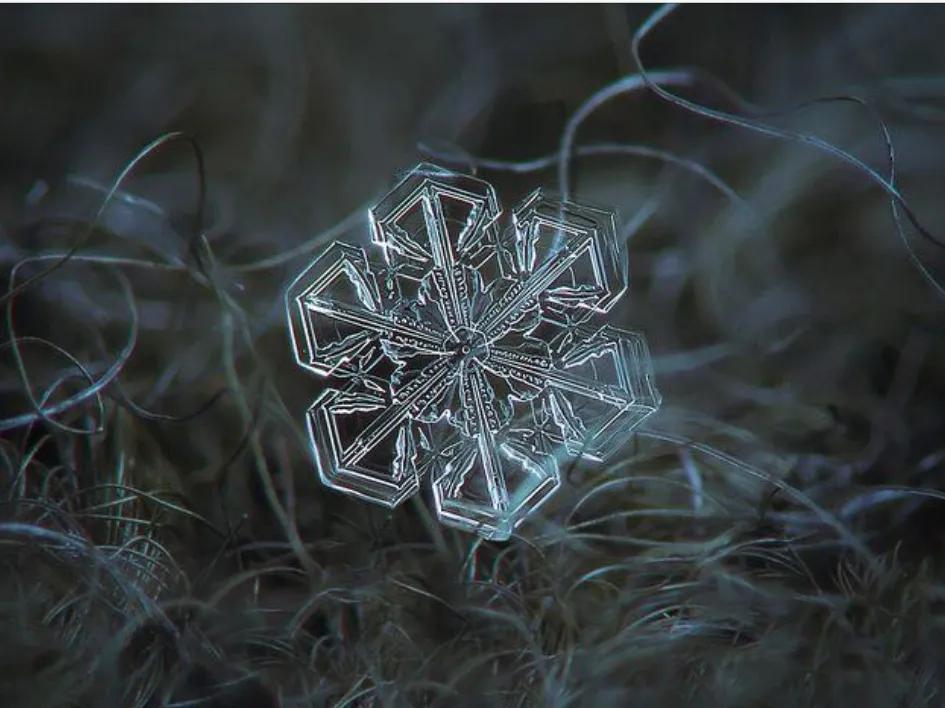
(772, 537)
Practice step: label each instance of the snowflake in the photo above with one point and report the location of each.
(466, 353)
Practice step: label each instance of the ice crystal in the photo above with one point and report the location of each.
(466, 353)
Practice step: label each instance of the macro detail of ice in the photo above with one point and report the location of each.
(464, 350)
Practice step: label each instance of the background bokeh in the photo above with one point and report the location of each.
(772, 537)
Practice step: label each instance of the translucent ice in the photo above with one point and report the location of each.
(466, 351)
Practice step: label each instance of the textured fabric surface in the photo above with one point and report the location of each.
(772, 537)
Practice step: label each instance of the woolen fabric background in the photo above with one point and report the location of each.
(772, 537)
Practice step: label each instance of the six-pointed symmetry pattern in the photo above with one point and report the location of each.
(465, 352)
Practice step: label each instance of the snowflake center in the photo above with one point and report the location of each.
(470, 345)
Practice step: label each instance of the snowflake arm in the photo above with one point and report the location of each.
(340, 286)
